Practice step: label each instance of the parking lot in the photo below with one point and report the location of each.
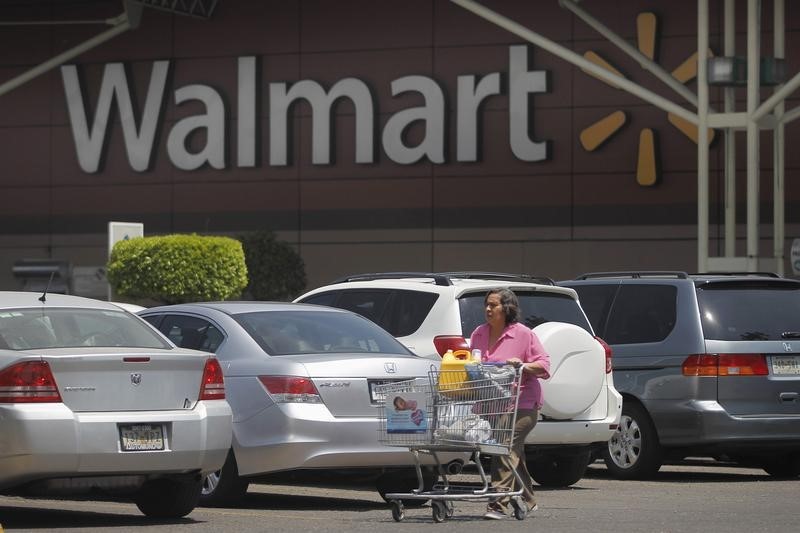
(692, 496)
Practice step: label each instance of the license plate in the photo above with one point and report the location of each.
(786, 365)
(378, 396)
(141, 437)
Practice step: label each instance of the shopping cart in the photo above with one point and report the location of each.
(472, 411)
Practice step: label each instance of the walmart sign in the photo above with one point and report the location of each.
(140, 132)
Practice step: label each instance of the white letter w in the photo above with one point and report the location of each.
(139, 144)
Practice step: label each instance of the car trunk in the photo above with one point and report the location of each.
(775, 394)
(346, 382)
(754, 322)
(91, 379)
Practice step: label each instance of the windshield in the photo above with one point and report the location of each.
(303, 332)
(750, 311)
(536, 308)
(29, 329)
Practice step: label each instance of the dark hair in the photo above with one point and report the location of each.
(509, 302)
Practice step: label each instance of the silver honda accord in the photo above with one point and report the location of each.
(301, 380)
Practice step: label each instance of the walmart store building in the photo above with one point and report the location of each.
(372, 135)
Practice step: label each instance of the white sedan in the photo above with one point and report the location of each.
(93, 398)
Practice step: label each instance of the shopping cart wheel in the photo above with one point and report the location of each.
(439, 511)
(397, 511)
(520, 508)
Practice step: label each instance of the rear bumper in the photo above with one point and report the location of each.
(706, 425)
(309, 437)
(598, 427)
(49, 441)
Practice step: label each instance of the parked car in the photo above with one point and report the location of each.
(129, 307)
(433, 312)
(708, 365)
(301, 382)
(92, 397)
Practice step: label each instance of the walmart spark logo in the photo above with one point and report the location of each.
(595, 135)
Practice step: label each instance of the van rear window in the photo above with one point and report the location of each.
(749, 311)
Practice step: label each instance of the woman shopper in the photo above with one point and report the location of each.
(502, 338)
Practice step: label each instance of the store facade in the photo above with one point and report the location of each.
(372, 136)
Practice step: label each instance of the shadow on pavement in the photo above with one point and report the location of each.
(694, 471)
(298, 502)
(29, 518)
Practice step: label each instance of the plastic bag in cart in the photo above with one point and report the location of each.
(501, 374)
(449, 414)
(471, 428)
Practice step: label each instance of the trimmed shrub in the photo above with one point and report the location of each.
(275, 269)
(178, 268)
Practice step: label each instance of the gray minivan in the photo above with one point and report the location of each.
(708, 365)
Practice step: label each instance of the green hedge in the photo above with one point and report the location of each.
(178, 268)
(275, 269)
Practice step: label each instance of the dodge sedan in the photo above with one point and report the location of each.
(93, 398)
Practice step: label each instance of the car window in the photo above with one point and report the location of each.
(400, 312)
(536, 308)
(596, 302)
(749, 310)
(408, 311)
(323, 298)
(371, 304)
(642, 313)
(299, 332)
(191, 332)
(27, 329)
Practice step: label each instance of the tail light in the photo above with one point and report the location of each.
(740, 364)
(213, 385)
(28, 382)
(450, 342)
(609, 352)
(291, 389)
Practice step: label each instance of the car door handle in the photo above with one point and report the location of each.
(788, 396)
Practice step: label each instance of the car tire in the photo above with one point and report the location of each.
(786, 466)
(558, 470)
(404, 481)
(223, 487)
(633, 452)
(168, 498)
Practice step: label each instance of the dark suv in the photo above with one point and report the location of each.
(708, 365)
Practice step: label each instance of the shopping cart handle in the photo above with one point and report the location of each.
(496, 363)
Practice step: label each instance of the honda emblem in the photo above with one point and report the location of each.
(136, 378)
(390, 368)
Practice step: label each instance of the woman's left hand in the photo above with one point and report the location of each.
(516, 362)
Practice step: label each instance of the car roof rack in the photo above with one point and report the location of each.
(636, 274)
(758, 274)
(444, 279)
(438, 279)
(500, 276)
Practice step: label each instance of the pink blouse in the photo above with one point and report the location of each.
(517, 340)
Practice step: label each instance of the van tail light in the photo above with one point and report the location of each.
(737, 364)
(28, 382)
(450, 342)
(291, 389)
(609, 353)
(213, 385)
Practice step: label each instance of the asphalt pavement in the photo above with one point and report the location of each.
(691, 497)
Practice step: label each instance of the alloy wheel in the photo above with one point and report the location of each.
(625, 447)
